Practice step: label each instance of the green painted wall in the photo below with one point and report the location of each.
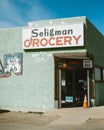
(99, 91)
(34, 89)
(94, 43)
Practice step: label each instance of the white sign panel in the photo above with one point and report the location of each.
(87, 63)
(52, 37)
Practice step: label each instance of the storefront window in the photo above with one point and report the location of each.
(97, 74)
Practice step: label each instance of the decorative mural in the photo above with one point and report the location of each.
(12, 64)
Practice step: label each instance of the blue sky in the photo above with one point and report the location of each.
(17, 13)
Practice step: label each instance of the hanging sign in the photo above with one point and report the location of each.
(87, 63)
(52, 37)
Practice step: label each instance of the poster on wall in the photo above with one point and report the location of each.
(13, 63)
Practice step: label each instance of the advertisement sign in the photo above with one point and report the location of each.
(12, 64)
(87, 63)
(52, 37)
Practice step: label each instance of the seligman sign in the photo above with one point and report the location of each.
(52, 37)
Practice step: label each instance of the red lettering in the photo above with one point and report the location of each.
(27, 43)
(35, 42)
(59, 41)
(43, 42)
(76, 38)
(67, 39)
(51, 41)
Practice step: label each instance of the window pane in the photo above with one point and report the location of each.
(98, 74)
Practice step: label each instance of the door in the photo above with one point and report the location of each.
(73, 87)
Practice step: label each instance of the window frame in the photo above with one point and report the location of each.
(101, 73)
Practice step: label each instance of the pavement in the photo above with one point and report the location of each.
(76, 116)
(55, 117)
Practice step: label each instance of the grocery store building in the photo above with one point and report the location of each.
(51, 64)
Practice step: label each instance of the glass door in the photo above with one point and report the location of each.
(73, 87)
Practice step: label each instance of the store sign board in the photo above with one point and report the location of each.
(87, 63)
(52, 37)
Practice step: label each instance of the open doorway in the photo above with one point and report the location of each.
(72, 83)
(73, 87)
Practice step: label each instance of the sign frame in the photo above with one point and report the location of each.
(71, 35)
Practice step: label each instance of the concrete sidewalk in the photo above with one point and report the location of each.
(75, 116)
(55, 117)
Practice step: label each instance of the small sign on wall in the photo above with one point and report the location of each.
(63, 83)
(87, 63)
(69, 99)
